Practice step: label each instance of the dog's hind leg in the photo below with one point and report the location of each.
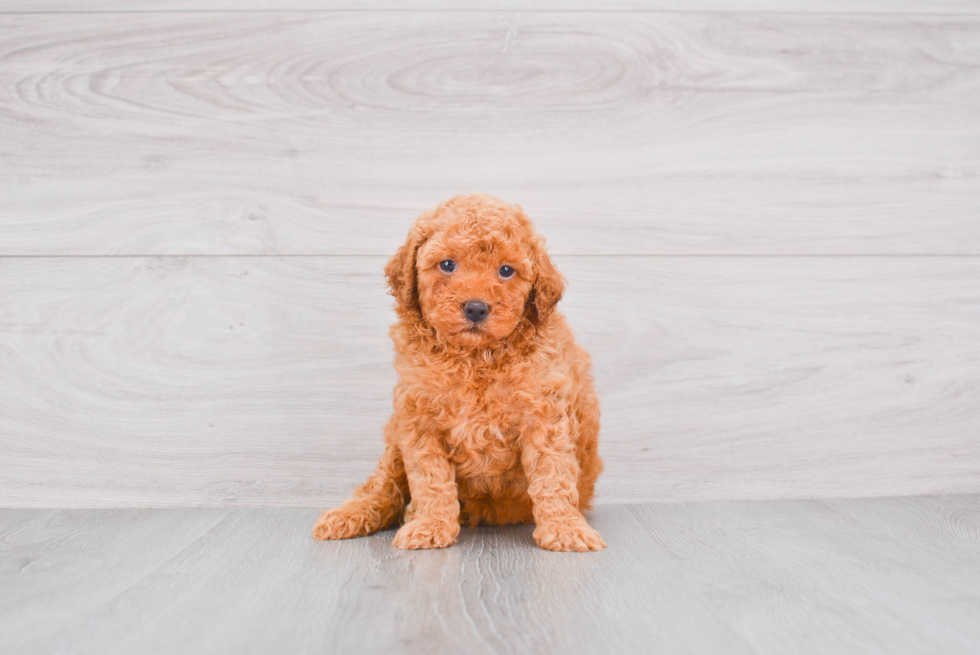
(377, 504)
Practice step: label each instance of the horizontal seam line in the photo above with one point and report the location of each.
(555, 254)
(493, 11)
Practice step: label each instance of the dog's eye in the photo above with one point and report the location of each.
(447, 266)
(506, 271)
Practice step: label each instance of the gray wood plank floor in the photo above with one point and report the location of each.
(895, 576)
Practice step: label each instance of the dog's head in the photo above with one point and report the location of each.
(474, 270)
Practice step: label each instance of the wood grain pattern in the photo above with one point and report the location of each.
(816, 6)
(634, 140)
(856, 576)
(648, 133)
(266, 381)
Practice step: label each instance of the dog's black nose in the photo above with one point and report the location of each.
(476, 310)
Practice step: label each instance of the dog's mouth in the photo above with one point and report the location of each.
(473, 334)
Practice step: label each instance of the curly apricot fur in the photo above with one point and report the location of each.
(495, 422)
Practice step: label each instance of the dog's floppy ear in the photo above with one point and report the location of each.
(548, 285)
(402, 276)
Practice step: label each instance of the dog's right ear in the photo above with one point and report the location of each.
(402, 277)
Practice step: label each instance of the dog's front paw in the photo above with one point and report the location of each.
(342, 523)
(419, 533)
(575, 535)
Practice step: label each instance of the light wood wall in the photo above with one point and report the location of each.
(770, 223)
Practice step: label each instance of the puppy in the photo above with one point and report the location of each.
(496, 420)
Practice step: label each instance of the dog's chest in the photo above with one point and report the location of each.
(481, 428)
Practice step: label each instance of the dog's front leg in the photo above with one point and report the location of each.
(431, 475)
(552, 471)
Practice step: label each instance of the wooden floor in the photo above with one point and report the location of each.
(888, 576)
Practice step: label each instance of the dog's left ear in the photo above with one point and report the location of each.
(548, 285)
(402, 275)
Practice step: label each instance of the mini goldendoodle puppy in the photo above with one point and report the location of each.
(496, 420)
